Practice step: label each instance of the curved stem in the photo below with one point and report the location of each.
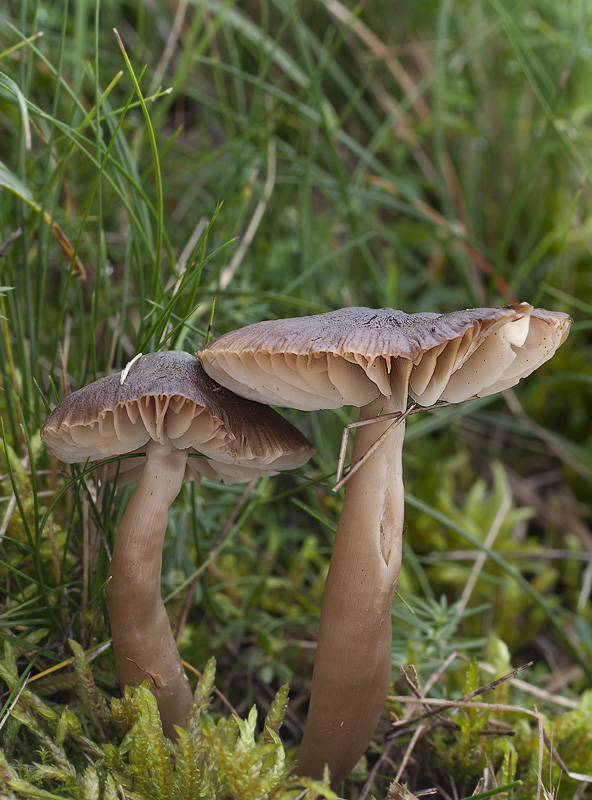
(352, 668)
(143, 641)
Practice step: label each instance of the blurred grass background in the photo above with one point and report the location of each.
(291, 158)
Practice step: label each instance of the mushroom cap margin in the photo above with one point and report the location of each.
(168, 395)
(351, 356)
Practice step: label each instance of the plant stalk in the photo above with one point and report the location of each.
(143, 641)
(352, 668)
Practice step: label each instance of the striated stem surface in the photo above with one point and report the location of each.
(143, 641)
(352, 668)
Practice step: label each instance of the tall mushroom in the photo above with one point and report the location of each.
(372, 359)
(166, 407)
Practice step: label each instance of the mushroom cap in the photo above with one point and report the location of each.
(167, 396)
(353, 355)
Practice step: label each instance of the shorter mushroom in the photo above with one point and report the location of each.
(181, 424)
(373, 359)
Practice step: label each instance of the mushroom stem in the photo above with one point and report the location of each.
(143, 641)
(352, 667)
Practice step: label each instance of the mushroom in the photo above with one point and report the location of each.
(372, 359)
(163, 405)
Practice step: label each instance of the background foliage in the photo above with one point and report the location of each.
(290, 158)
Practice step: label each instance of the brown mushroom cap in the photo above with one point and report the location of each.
(168, 395)
(351, 356)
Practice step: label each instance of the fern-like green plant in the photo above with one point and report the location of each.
(49, 752)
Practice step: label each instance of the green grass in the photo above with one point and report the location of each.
(282, 161)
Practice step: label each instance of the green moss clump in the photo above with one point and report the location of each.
(50, 753)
